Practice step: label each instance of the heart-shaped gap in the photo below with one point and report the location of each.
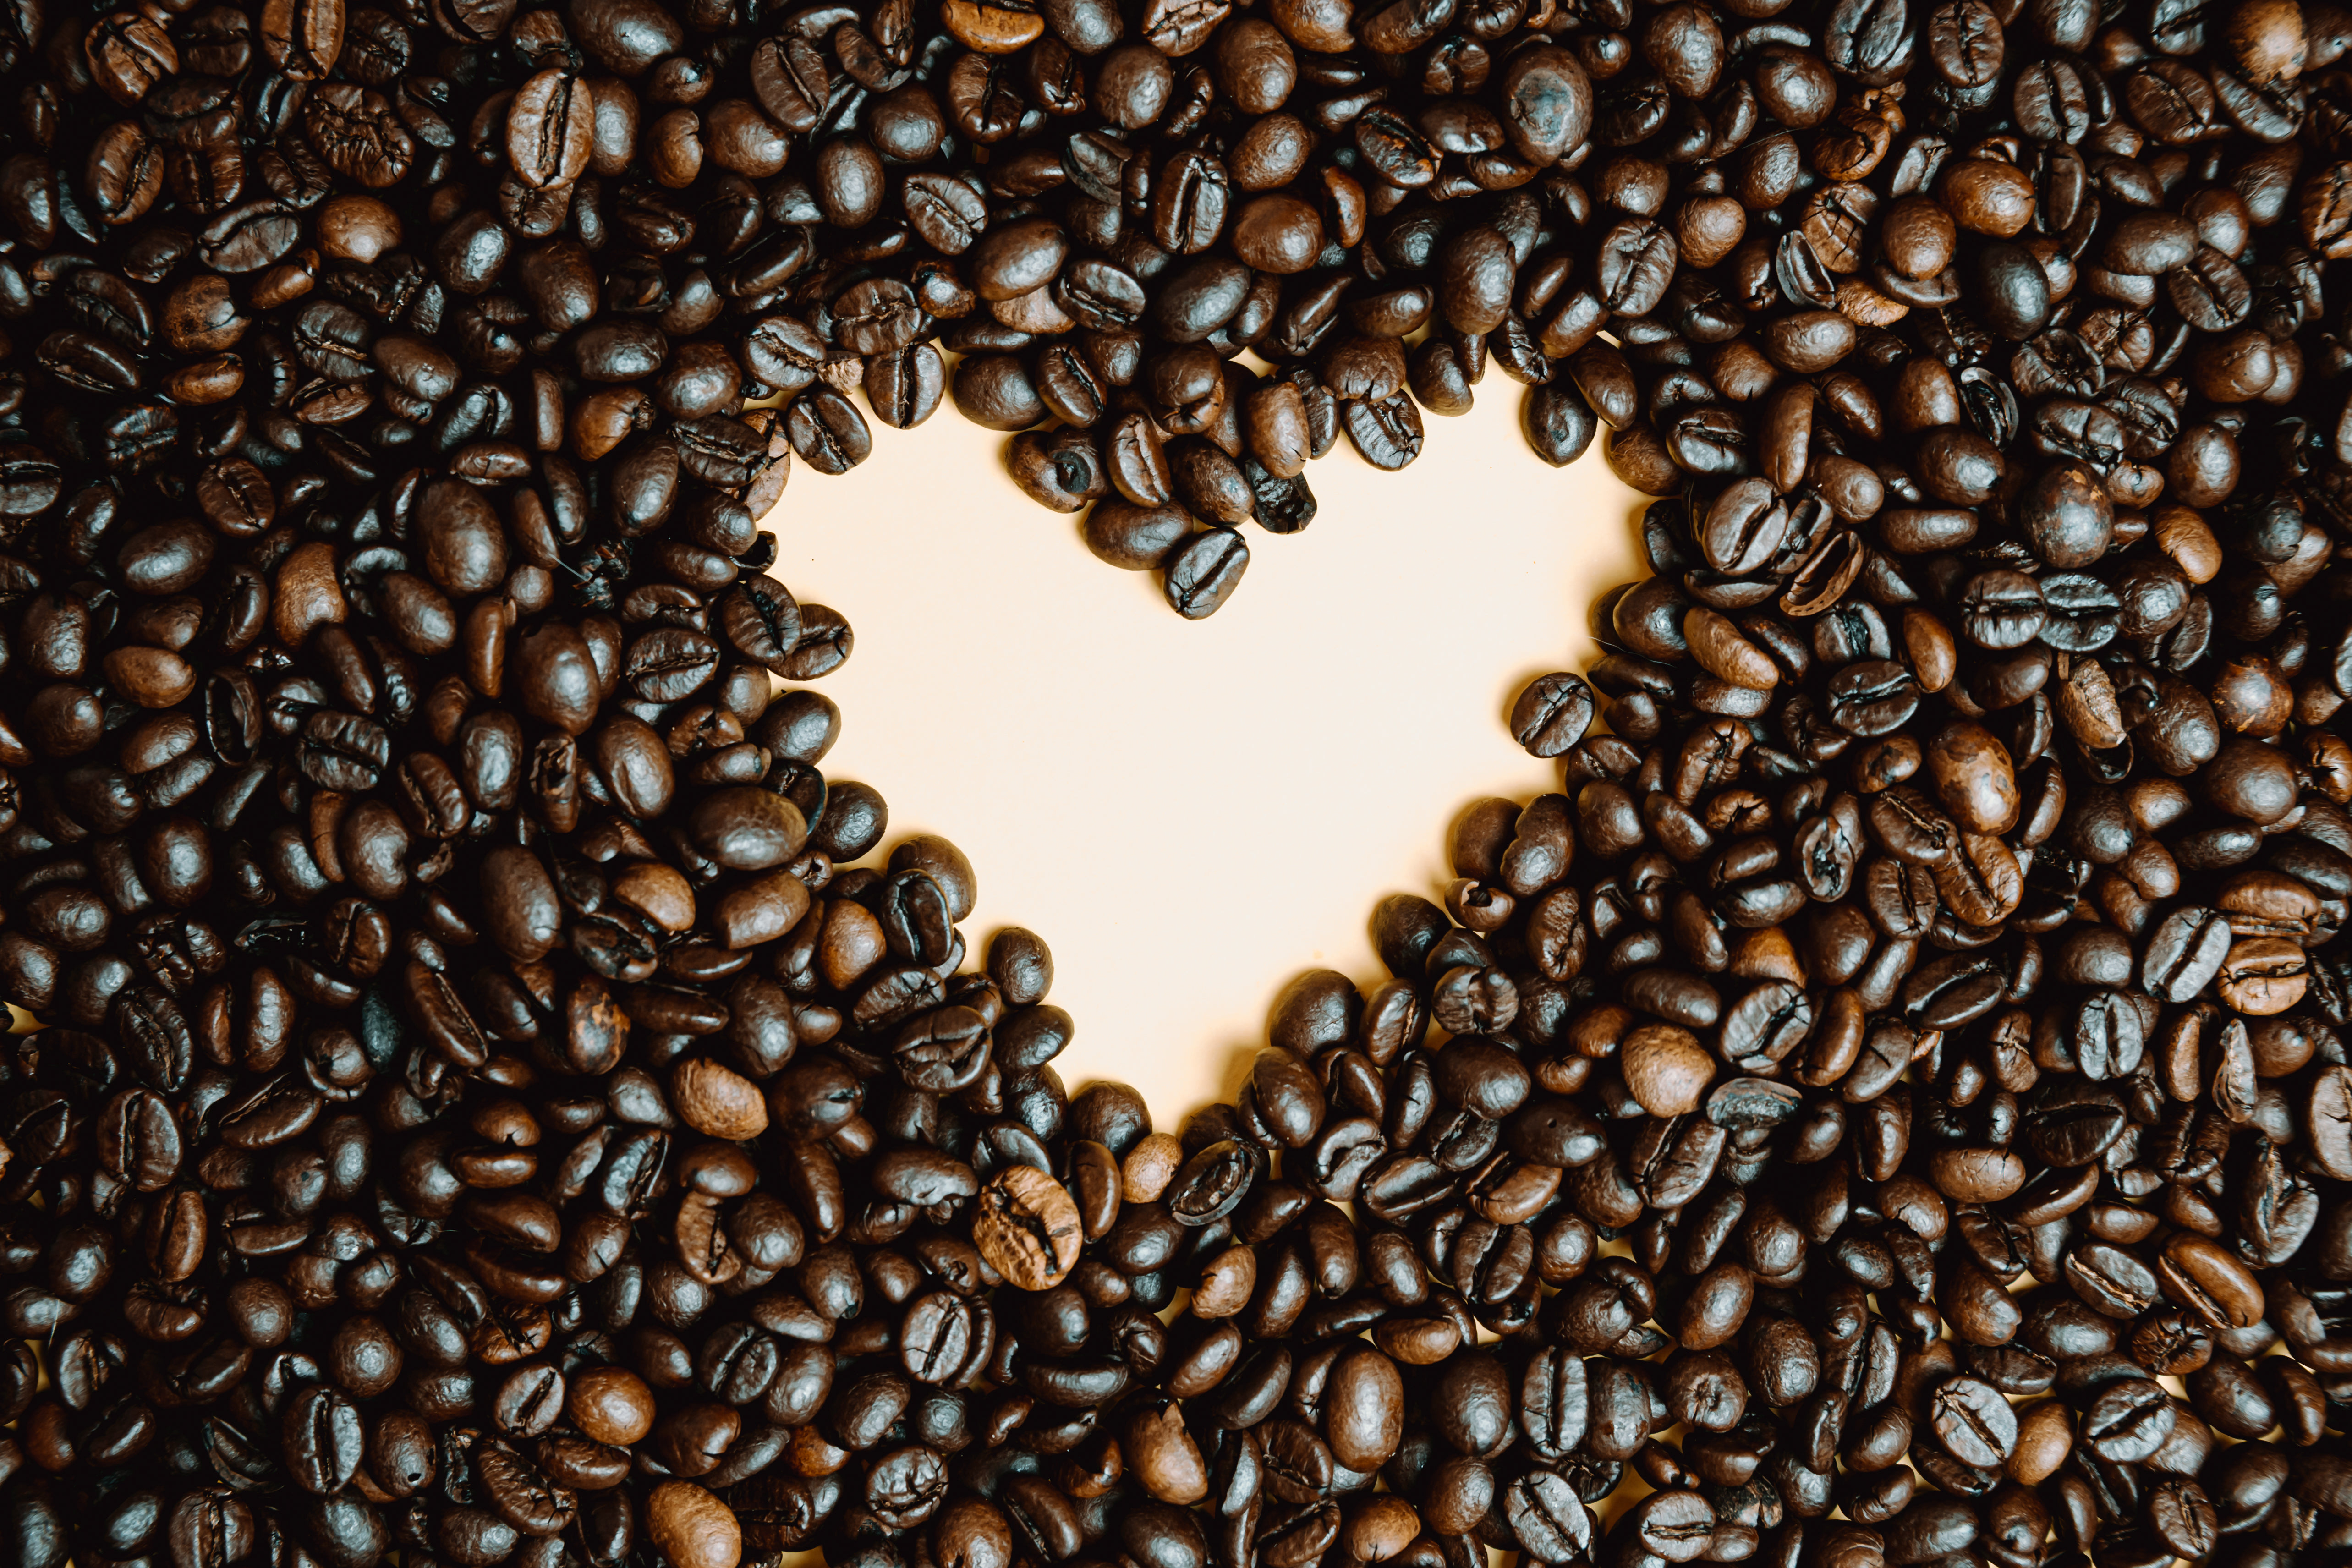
(1191, 811)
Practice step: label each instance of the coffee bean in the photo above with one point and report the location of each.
(1973, 1422)
(1027, 1228)
(1202, 571)
(2133, 1415)
(1665, 1070)
(692, 1528)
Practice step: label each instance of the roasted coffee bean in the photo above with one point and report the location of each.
(1027, 1229)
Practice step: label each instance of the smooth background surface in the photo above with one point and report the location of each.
(1191, 812)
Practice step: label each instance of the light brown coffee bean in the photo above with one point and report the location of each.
(1027, 1228)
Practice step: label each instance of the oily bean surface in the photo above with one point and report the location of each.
(479, 1119)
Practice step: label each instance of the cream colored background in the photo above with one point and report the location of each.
(1191, 813)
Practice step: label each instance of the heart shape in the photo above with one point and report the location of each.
(1224, 799)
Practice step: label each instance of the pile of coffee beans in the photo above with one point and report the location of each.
(1889, 1109)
